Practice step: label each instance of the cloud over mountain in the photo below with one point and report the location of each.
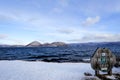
(98, 38)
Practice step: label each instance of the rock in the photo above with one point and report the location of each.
(90, 78)
(87, 74)
(117, 76)
(118, 62)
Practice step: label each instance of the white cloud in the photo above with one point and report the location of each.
(91, 21)
(98, 38)
(65, 31)
(6, 16)
(99, 7)
(57, 10)
(63, 3)
(6, 39)
(15, 41)
(36, 20)
(3, 36)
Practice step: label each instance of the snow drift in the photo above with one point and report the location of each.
(23, 70)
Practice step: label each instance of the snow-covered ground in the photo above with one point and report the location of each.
(23, 70)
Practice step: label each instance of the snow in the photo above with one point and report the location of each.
(111, 77)
(88, 59)
(23, 70)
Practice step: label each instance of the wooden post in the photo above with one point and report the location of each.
(96, 72)
(110, 72)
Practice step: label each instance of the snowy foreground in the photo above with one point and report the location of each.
(23, 70)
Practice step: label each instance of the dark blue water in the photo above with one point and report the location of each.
(51, 54)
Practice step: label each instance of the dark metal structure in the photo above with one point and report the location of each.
(103, 60)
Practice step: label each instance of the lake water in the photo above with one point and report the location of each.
(51, 54)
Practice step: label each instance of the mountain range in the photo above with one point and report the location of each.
(56, 44)
(37, 44)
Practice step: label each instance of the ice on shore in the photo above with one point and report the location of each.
(23, 70)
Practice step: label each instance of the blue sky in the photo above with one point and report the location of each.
(70, 21)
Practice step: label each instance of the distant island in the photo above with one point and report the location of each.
(53, 44)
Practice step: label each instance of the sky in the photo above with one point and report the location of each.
(70, 21)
